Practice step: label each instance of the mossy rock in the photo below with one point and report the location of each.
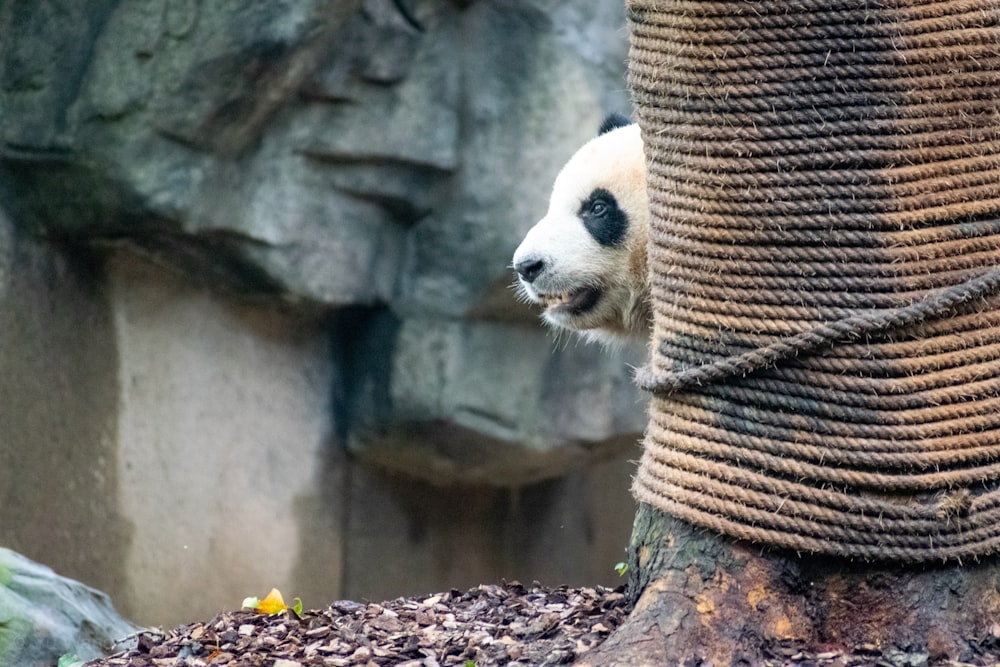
(44, 616)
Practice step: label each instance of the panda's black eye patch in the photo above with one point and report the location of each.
(603, 219)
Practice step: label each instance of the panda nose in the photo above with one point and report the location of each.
(529, 269)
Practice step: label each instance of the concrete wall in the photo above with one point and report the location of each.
(59, 485)
(223, 421)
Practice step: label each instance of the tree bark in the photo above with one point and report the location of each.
(702, 597)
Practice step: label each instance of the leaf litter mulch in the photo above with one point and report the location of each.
(508, 624)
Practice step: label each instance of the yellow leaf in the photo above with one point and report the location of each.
(272, 604)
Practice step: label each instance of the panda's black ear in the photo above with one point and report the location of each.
(612, 122)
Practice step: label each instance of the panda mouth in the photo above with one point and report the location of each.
(574, 302)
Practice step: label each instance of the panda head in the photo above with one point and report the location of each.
(585, 261)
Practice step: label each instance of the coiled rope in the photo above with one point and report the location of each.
(824, 180)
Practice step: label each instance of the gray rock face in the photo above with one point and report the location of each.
(376, 159)
(455, 403)
(44, 616)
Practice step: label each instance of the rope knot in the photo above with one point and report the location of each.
(935, 305)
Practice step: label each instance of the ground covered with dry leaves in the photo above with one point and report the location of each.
(508, 624)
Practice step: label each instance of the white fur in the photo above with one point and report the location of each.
(573, 259)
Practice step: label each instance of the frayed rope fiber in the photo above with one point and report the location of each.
(824, 179)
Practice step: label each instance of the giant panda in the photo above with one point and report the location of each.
(585, 261)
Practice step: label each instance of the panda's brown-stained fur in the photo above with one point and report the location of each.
(562, 266)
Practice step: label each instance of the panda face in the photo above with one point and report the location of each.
(585, 261)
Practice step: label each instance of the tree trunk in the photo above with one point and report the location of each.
(825, 213)
(702, 597)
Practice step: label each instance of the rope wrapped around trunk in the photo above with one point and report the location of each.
(824, 180)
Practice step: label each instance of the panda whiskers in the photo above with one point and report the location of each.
(520, 293)
(560, 338)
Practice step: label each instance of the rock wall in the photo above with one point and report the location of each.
(259, 313)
